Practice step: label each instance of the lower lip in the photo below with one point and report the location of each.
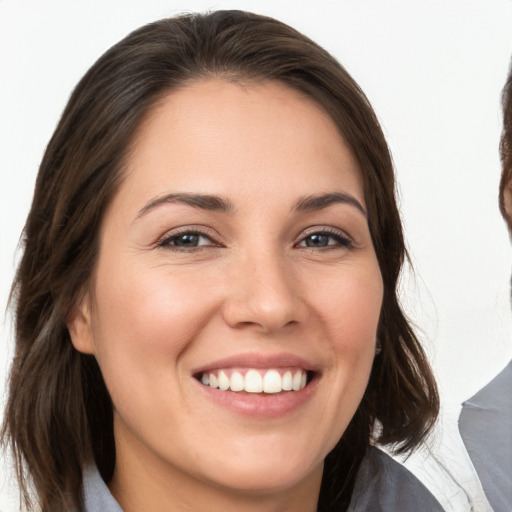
(258, 404)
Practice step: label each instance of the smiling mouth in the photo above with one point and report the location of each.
(251, 380)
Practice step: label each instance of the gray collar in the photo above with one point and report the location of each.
(97, 496)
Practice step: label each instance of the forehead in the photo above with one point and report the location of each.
(215, 136)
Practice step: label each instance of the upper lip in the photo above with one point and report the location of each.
(258, 361)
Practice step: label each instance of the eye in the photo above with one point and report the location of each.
(325, 239)
(186, 240)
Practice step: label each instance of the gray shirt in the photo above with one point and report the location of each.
(485, 425)
(382, 485)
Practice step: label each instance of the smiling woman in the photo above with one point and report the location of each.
(206, 304)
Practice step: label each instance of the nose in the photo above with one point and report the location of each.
(264, 294)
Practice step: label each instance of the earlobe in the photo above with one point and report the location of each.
(507, 203)
(79, 326)
(378, 347)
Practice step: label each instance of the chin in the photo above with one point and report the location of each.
(267, 479)
(265, 469)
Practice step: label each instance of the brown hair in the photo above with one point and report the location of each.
(59, 414)
(506, 153)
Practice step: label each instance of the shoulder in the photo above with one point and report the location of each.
(384, 485)
(485, 426)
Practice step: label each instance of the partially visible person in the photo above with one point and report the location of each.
(486, 419)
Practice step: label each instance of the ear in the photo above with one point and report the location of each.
(507, 203)
(80, 327)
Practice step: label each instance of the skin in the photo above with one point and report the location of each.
(156, 312)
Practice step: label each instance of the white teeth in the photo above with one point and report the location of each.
(214, 383)
(256, 381)
(237, 382)
(223, 381)
(272, 382)
(287, 381)
(296, 382)
(253, 382)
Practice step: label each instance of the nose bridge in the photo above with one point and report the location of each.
(264, 291)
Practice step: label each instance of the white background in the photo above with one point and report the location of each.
(433, 71)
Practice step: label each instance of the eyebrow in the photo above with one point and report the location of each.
(318, 202)
(220, 204)
(204, 202)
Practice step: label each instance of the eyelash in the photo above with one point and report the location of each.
(341, 239)
(166, 241)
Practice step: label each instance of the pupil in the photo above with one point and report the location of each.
(187, 240)
(317, 241)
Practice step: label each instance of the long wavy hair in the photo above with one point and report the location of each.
(59, 413)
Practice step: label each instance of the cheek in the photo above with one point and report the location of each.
(350, 313)
(145, 319)
(350, 309)
(149, 307)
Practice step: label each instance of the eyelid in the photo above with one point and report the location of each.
(165, 239)
(326, 230)
(212, 235)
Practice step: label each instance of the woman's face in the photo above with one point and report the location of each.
(236, 253)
